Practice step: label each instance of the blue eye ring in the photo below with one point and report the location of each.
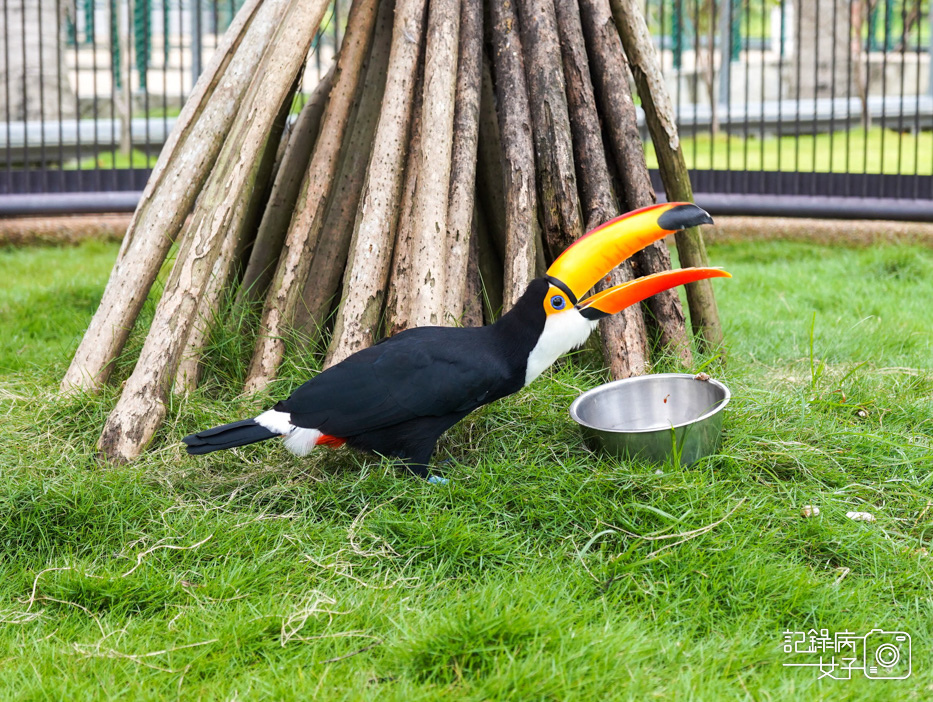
(558, 302)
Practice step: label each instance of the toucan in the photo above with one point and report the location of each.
(396, 398)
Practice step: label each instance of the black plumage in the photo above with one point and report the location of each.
(396, 398)
(241, 433)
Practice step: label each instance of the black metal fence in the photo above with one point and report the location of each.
(803, 107)
(820, 107)
(91, 89)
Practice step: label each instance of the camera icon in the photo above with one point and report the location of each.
(887, 655)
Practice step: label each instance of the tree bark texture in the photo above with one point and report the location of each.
(310, 209)
(518, 155)
(270, 236)
(463, 159)
(622, 335)
(659, 115)
(231, 254)
(399, 294)
(141, 406)
(429, 206)
(177, 179)
(330, 257)
(374, 229)
(610, 68)
(557, 182)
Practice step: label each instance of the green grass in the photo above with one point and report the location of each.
(46, 300)
(837, 153)
(114, 160)
(878, 151)
(251, 574)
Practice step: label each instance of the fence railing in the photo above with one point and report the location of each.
(90, 90)
(816, 106)
(810, 99)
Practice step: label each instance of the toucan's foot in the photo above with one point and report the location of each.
(421, 468)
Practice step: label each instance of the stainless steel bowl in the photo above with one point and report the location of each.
(654, 417)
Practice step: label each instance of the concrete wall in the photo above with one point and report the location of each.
(32, 74)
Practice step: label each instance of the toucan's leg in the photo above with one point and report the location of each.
(422, 471)
(419, 469)
(412, 442)
(418, 462)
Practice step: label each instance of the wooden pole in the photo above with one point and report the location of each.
(177, 179)
(401, 281)
(611, 71)
(463, 159)
(330, 257)
(278, 212)
(518, 155)
(232, 253)
(141, 407)
(622, 335)
(430, 203)
(557, 181)
(308, 218)
(373, 232)
(659, 114)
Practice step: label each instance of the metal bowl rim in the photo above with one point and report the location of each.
(631, 381)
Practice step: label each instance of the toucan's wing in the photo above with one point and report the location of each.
(429, 371)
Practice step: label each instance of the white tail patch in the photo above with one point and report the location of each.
(299, 440)
(273, 420)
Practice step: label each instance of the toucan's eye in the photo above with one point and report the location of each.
(558, 302)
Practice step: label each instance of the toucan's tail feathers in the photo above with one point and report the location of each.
(241, 433)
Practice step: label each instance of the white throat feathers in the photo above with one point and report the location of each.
(562, 332)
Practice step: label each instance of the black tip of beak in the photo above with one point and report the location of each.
(683, 217)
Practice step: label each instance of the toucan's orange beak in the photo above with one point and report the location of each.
(593, 255)
(618, 297)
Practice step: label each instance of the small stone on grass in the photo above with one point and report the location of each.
(861, 516)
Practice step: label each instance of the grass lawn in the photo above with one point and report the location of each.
(838, 152)
(114, 159)
(877, 151)
(542, 570)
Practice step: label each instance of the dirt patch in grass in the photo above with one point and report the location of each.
(62, 231)
(819, 231)
(56, 231)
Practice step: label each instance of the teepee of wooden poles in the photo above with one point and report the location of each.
(452, 151)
